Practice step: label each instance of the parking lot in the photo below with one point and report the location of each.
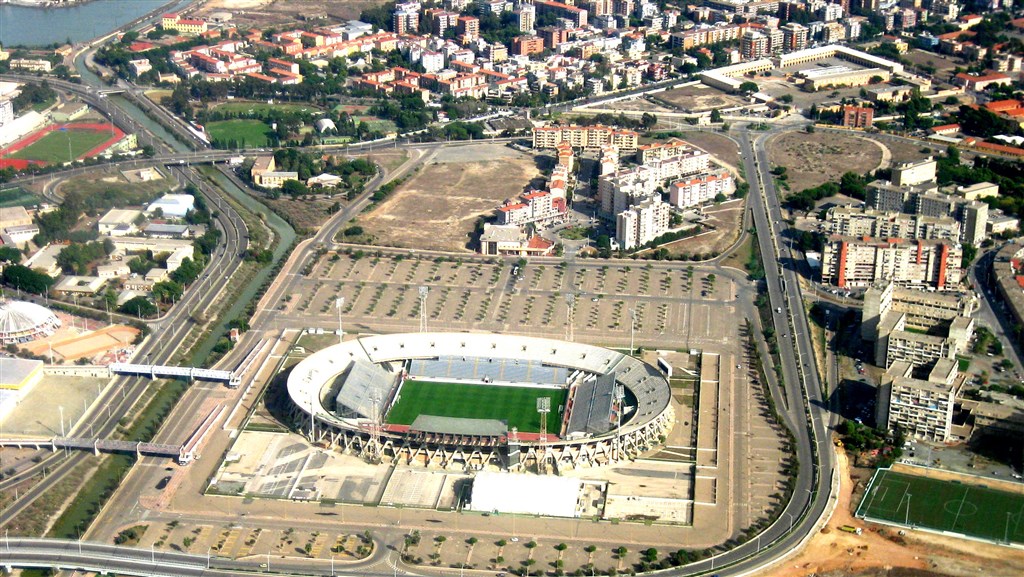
(674, 305)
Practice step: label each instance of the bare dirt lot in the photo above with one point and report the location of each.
(814, 159)
(721, 147)
(439, 207)
(263, 12)
(698, 98)
(726, 220)
(641, 104)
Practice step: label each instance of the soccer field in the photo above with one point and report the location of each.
(515, 405)
(948, 506)
(53, 147)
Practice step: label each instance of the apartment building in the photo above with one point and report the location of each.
(794, 36)
(585, 137)
(896, 343)
(924, 310)
(861, 222)
(858, 116)
(754, 45)
(621, 189)
(406, 18)
(860, 262)
(921, 408)
(534, 207)
(641, 223)
(700, 189)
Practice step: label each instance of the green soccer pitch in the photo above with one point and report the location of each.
(517, 406)
(945, 506)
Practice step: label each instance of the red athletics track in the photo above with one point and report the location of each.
(20, 164)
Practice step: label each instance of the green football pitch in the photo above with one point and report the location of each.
(947, 506)
(517, 406)
(54, 147)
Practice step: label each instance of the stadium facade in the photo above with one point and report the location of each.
(474, 400)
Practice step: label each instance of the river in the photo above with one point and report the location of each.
(22, 25)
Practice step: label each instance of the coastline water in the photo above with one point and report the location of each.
(40, 26)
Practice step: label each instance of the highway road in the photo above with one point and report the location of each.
(805, 414)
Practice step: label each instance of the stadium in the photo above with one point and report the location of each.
(470, 401)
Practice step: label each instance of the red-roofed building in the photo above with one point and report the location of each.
(945, 129)
(1002, 105)
(185, 26)
(141, 46)
(979, 83)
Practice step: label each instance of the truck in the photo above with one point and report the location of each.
(851, 529)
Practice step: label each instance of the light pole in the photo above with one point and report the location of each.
(338, 303)
(423, 291)
(906, 516)
(632, 330)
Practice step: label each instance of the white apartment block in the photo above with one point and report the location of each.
(847, 221)
(536, 206)
(641, 223)
(700, 189)
(621, 189)
(851, 262)
(585, 137)
(922, 409)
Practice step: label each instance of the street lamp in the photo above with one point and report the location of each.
(632, 330)
(338, 303)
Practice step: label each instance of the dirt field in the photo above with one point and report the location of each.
(439, 207)
(641, 104)
(813, 159)
(699, 97)
(719, 146)
(881, 551)
(906, 151)
(725, 217)
(262, 12)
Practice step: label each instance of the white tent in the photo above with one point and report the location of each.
(526, 494)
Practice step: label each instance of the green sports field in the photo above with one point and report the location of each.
(515, 405)
(948, 506)
(53, 147)
(247, 132)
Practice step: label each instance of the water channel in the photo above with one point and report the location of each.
(28, 26)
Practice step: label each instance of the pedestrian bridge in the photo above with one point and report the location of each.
(185, 453)
(191, 373)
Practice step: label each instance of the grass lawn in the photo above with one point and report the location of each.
(973, 510)
(247, 132)
(53, 148)
(377, 124)
(17, 197)
(517, 406)
(262, 108)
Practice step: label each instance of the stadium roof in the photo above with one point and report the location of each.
(545, 495)
(21, 321)
(365, 386)
(592, 406)
(457, 426)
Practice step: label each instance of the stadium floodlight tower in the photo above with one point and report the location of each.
(423, 308)
(375, 452)
(543, 407)
(570, 302)
(338, 303)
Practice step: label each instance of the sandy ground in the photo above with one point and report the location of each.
(880, 550)
(698, 98)
(725, 217)
(439, 207)
(814, 159)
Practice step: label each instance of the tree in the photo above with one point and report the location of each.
(648, 120)
(23, 278)
(139, 307)
(10, 254)
(748, 87)
(294, 188)
(716, 115)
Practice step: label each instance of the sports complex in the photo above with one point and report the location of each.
(964, 508)
(469, 401)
